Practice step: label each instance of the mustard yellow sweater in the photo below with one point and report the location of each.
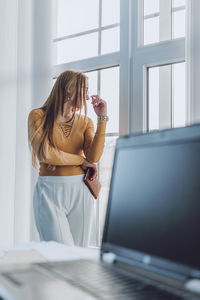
(74, 143)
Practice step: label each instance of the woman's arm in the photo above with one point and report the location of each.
(94, 142)
(53, 156)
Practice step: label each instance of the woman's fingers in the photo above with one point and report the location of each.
(95, 98)
(94, 171)
(87, 165)
(97, 102)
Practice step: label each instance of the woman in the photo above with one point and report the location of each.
(65, 145)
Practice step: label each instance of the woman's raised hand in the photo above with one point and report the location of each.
(99, 105)
(86, 164)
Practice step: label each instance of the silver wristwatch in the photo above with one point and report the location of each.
(103, 118)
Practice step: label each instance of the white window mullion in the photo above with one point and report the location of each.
(165, 34)
(98, 225)
(165, 27)
(98, 29)
(89, 64)
(140, 23)
(54, 17)
(100, 23)
(98, 232)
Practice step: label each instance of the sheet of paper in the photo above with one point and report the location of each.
(53, 251)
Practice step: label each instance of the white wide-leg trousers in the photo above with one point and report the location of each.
(63, 209)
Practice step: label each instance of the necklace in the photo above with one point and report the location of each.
(66, 126)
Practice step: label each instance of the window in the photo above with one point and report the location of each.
(159, 97)
(78, 37)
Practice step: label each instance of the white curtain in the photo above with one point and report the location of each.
(25, 81)
(8, 99)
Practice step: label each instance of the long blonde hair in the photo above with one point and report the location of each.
(66, 84)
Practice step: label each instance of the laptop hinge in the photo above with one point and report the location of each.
(109, 258)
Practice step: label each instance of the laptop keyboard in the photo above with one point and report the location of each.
(105, 283)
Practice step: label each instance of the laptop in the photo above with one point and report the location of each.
(151, 246)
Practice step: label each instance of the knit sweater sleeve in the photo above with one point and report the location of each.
(52, 155)
(94, 141)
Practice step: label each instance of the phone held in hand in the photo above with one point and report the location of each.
(93, 185)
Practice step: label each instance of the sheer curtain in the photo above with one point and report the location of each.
(8, 98)
(25, 80)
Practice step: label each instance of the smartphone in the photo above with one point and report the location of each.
(89, 173)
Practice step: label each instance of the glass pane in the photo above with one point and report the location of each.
(105, 170)
(110, 40)
(77, 48)
(151, 6)
(110, 93)
(178, 3)
(178, 24)
(109, 90)
(153, 99)
(110, 12)
(92, 88)
(75, 16)
(179, 101)
(166, 96)
(151, 30)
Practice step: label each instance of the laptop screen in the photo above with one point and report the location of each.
(154, 202)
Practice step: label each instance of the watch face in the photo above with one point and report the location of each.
(103, 118)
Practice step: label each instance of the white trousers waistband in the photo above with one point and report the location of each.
(61, 179)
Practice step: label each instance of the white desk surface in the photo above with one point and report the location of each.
(44, 251)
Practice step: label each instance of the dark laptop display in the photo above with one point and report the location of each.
(154, 202)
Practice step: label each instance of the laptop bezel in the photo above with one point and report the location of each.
(133, 257)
